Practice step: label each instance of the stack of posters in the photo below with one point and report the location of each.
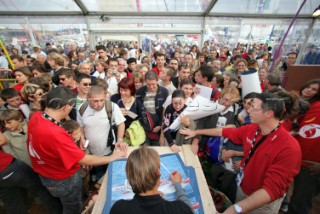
(119, 188)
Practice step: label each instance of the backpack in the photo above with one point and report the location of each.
(112, 136)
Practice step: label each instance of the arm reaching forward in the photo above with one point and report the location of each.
(209, 132)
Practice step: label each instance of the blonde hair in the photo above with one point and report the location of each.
(138, 76)
(143, 169)
(57, 58)
(143, 65)
(10, 114)
(231, 90)
(28, 90)
(103, 63)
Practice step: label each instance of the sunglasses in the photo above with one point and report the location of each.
(39, 94)
(86, 84)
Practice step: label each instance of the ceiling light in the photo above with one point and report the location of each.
(316, 12)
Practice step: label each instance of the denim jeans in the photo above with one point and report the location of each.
(17, 181)
(67, 190)
(152, 142)
(98, 172)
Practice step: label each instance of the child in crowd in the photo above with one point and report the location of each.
(171, 113)
(143, 173)
(138, 79)
(186, 86)
(73, 128)
(217, 81)
(166, 76)
(13, 101)
(243, 116)
(14, 139)
(204, 77)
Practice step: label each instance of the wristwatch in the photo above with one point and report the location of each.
(237, 208)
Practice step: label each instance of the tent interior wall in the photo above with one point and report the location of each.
(223, 22)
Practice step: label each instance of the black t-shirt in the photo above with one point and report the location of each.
(154, 204)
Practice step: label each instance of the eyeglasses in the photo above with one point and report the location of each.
(226, 100)
(100, 52)
(86, 84)
(184, 64)
(255, 108)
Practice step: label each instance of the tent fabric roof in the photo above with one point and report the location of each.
(204, 8)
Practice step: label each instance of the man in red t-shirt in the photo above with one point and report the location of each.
(54, 154)
(274, 156)
(160, 60)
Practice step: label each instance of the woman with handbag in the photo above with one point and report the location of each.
(130, 107)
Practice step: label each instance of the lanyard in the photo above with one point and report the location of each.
(51, 119)
(55, 122)
(255, 145)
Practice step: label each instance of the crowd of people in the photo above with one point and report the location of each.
(71, 112)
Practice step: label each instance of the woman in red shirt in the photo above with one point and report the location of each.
(22, 76)
(306, 183)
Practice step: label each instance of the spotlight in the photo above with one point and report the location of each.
(316, 12)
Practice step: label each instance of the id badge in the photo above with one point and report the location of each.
(240, 176)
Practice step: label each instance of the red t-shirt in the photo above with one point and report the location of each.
(262, 86)
(75, 90)
(18, 87)
(215, 95)
(52, 150)
(156, 69)
(6, 160)
(309, 133)
(274, 164)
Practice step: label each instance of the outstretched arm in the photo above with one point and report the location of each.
(93, 160)
(209, 132)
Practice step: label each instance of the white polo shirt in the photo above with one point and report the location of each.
(96, 128)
